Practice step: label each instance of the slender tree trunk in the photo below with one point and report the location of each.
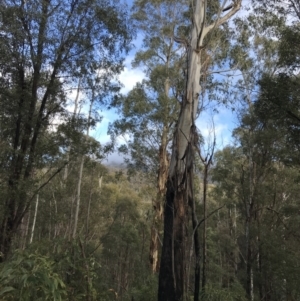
(196, 241)
(27, 226)
(89, 209)
(80, 168)
(34, 218)
(81, 172)
(50, 219)
(249, 256)
(157, 204)
(78, 197)
(235, 242)
(161, 189)
(249, 288)
(204, 251)
(55, 224)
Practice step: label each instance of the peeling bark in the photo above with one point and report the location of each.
(172, 276)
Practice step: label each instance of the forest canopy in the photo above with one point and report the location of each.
(184, 217)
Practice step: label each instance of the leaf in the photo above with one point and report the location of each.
(6, 290)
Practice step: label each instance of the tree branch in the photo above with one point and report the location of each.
(49, 179)
(209, 215)
(235, 8)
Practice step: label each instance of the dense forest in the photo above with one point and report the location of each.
(182, 218)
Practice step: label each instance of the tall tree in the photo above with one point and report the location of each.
(149, 110)
(179, 184)
(45, 45)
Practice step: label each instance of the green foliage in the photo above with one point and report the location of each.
(147, 290)
(109, 260)
(279, 96)
(233, 293)
(30, 277)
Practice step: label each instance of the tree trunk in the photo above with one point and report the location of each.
(34, 218)
(81, 169)
(157, 204)
(78, 197)
(172, 276)
(172, 269)
(162, 177)
(204, 252)
(196, 241)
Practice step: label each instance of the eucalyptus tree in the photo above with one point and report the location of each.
(149, 110)
(46, 46)
(270, 85)
(268, 121)
(179, 183)
(251, 178)
(255, 54)
(279, 91)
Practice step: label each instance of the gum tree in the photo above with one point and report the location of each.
(45, 47)
(172, 275)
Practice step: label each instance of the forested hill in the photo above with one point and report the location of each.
(183, 217)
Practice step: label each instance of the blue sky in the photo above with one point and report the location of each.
(224, 121)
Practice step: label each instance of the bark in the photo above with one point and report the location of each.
(249, 224)
(206, 162)
(157, 204)
(56, 227)
(249, 288)
(259, 267)
(81, 171)
(249, 251)
(34, 218)
(161, 189)
(196, 242)
(27, 227)
(249, 238)
(204, 252)
(78, 197)
(172, 276)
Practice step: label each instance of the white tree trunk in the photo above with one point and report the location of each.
(34, 218)
(78, 197)
(172, 275)
(80, 174)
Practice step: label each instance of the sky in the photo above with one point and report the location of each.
(223, 122)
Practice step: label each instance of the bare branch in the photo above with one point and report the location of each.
(227, 8)
(221, 20)
(209, 215)
(49, 179)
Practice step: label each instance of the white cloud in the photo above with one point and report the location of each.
(129, 77)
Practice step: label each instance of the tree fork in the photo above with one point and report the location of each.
(172, 268)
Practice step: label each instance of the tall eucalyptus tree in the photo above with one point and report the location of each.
(45, 46)
(179, 184)
(149, 110)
